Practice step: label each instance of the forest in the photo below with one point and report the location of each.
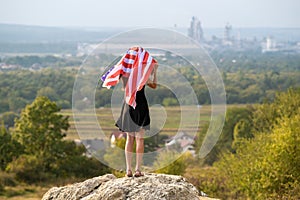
(256, 157)
(252, 78)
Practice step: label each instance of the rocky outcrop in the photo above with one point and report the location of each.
(148, 187)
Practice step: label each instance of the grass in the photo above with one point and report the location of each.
(22, 191)
(26, 192)
(105, 118)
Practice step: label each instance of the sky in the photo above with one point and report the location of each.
(151, 13)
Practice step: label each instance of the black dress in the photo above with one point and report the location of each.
(132, 120)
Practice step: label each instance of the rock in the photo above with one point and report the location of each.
(148, 187)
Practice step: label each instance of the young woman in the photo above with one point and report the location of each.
(135, 121)
(134, 69)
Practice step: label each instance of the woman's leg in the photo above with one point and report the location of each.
(128, 152)
(139, 139)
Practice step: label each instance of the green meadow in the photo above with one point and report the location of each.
(171, 119)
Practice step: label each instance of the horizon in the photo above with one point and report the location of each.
(133, 27)
(37, 33)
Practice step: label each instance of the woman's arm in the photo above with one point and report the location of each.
(153, 83)
(124, 81)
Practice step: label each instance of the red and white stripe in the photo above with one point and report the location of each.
(137, 64)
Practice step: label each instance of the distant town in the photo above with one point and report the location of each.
(75, 43)
(61, 41)
(229, 40)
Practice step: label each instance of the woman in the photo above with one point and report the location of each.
(135, 121)
(134, 69)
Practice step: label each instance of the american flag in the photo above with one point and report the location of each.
(137, 64)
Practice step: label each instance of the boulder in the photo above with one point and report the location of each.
(148, 187)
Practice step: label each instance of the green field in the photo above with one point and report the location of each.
(168, 118)
(169, 123)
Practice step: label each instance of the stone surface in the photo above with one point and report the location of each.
(150, 187)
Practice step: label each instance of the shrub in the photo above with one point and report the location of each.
(208, 180)
(7, 179)
(170, 162)
(29, 169)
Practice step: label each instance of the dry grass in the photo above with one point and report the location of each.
(21, 192)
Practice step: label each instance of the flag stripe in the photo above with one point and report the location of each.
(137, 64)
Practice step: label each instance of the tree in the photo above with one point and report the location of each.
(267, 166)
(4, 105)
(237, 120)
(9, 148)
(266, 115)
(16, 103)
(281, 167)
(170, 101)
(40, 130)
(48, 92)
(9, 118)
(242, 130)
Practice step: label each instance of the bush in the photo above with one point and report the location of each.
(169, 101)
(29, 169)
(1, 188)
(209, 180)
(170, 162)
(266, 156)
(9, 148)
(7, 179)
(9, 118)
(266, 167)
(80, 167)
